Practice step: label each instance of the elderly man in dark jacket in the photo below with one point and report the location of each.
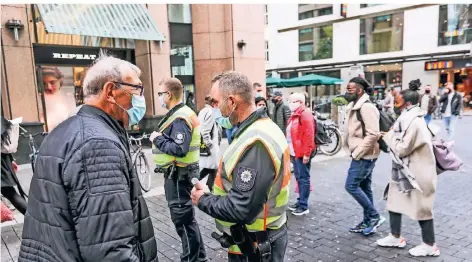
(281, 111)
(85, 202)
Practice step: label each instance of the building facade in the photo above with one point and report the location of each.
(48, 47)
(394, 43)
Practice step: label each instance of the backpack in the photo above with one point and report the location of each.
(446, 160)
(385, 123)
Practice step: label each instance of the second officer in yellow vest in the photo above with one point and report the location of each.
(251, 188)
(176, 152)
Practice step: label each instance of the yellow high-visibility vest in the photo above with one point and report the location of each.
(193, 156)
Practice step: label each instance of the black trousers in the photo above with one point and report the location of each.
(278, 245)
(16, 200)
(211, 176)
(427, 228)
(183, 217)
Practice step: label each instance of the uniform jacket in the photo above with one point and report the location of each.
(302, 132)
(355, 143)
(85, 202)
(432, 103)
(238, 206)
(281, 115)
(455, 103)
(411, 140)
(209, 129)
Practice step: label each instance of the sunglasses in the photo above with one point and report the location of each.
(136, 87)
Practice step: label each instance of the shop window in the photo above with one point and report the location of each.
(369, 5)
(306, 11)
(179, 13)
(455, 24)
(315, 43)
(42, 37)
(381, 34)
(181, 60)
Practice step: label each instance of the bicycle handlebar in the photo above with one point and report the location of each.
(27, 135)
(139, 138)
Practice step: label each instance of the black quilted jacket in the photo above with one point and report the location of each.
(85, 203)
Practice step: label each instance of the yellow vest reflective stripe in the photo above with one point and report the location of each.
(273, 215)
(163, 160)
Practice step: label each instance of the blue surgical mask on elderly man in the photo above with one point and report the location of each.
(222, 121)
(137, 110)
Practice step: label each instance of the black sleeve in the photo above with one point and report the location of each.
(246, 199)
(287, 114)
(443, 98)
(177, 142)
(100, 202)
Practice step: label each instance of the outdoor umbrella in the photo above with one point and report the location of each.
(309, 80)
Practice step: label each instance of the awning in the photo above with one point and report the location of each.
(128, 21)
(306, 80)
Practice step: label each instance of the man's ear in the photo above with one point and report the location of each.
(108, 92)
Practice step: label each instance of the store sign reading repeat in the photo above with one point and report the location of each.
(73, 56)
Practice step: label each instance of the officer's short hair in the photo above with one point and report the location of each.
(234, 83)
(174, 86)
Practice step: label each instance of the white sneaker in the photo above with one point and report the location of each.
(391, 241)
(425, 250)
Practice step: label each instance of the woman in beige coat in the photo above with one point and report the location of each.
(413, 182)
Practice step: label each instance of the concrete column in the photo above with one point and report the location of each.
(154, 60)
(217, 28)
(18, 73)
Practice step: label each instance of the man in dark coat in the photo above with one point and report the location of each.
(282, 112)
(85, 202)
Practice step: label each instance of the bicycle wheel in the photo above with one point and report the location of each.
(142, 171)
(334, 146)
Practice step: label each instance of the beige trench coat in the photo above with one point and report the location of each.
(415, 144)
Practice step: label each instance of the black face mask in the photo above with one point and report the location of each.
(275, 100)
(350, 97)
(397, 110)
(427, 91)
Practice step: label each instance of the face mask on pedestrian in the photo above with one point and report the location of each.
(137, 110)
(400, 105)
(259, 94)
(294, 106)
(233, 108)
(275, 100)
(350, 97)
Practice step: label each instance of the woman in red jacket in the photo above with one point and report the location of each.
(300, 137)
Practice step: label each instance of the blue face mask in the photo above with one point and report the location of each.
(222, 121)
(137, 110)
(258, 94)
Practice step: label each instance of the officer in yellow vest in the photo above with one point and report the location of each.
(176, 152)
(251, 190)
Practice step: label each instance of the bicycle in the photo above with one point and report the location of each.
(330, 143)
(32, 145)
(140, 163)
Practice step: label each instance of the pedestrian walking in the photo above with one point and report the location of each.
(301, 142)
(10, 136)
(428, 103)
(451, 106)
(85, 202)
(261, 102)
(413, 181)
(281, 111)
(364, 151)
(176, 152)
(251, 188)
(189, 101)
(388, 101)
(210, 145)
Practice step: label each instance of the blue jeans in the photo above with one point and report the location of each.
(359, 185)
(450, 123)
(427, 118)
(302, 175)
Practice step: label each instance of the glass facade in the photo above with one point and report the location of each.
(315, 43)
(179, 13)
(455, 24)
(381, 34)
(267, 51)
(306, 11)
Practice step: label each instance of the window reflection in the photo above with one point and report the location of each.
(315, 43)
(179, 13)
(306, 11)
(182, 60)
(381, 34)
(455, 24)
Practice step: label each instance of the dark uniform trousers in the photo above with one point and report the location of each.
(182, 214)
(278, 241)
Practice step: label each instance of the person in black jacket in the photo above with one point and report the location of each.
(85, 202)
(450, 109)
(9, 179)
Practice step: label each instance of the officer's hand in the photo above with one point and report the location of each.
(154, 135)
(198, 191)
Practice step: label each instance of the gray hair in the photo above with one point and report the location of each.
(297, 96)
(234, 83)
(105, 68)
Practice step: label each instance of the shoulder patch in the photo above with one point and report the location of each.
(245, 179)
(179, 138)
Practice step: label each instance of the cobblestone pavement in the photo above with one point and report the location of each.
(322, 235)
